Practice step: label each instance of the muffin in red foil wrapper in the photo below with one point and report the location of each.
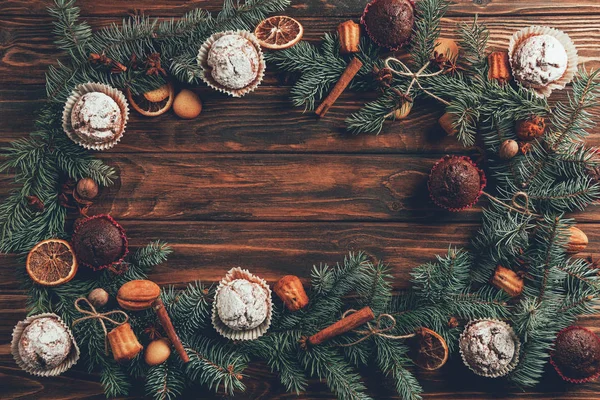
(576, 355)
(389, 23)
(99, 242)
(456, 183)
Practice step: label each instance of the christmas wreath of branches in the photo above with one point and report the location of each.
(555, 175)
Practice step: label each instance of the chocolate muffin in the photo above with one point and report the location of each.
(96, 118)
(455, 183)
(44, 344)
(489, 348)
(99, 242)
(576, 355)
(389, 23)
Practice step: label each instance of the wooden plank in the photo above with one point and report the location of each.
(27, 42)
(206, 250)
(264, 121)
(306, 8)
(275, 187)
(271, 187)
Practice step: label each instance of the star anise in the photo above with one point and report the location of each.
(438, 59)
(524, 147)
(451, 67)
(383, 76)
(65, 197)
(153, 66)
(119, 268)
(34, 203)
(153, 332)
(101, 59)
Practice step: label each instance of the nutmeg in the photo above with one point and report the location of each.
(447, 48)
(499, 67)
(87, 189)
(530, 128)
(137, 295)
(123, 343)
(507, 280)
(578, 240)
(508, 149)
(447, 123)
(349, 36)
(291, 291)
(98, 297)
(157, 351)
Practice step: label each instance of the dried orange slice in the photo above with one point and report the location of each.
(278, 32)
(51, 262)
(154, 102)
(428, 349)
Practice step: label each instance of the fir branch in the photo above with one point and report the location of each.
(324, 363)
(71, 35)
(215, 365)
(428, 15)
(165, 381)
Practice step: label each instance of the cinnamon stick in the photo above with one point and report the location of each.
(344, 325)
(166, 323)
(349, 73)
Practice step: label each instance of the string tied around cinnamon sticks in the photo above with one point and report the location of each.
(379, 329)
(101, 317)
(351, 320)
(415, 76)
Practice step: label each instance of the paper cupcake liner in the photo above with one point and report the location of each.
(206, 69)
(68, 362)
(77, 93)
(362, 22)
(482, 183)
(123, 236)
(224, 330)
(514, 362)
(564, 39)
(557, 368)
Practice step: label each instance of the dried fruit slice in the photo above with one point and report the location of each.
(428, 349)
(278, 32)
(154, 102)
(51, 262)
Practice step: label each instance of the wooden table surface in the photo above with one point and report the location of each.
(254, 182)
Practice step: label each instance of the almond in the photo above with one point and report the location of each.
(578, 241)
(138, 294)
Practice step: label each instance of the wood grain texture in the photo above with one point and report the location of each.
(256, 183)
(27, 42)
(308, 7)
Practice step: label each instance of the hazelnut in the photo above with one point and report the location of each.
(508, 149)
(87, 189)
(98, 297)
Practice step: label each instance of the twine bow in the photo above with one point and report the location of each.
(378, 329)
(101, 317)
(414, 75)
(518, 203)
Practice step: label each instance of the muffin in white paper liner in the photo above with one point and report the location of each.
(67, 363)
(90, 87)
(519, 37)
(513, 362)
(206, 74)
(233, 334)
